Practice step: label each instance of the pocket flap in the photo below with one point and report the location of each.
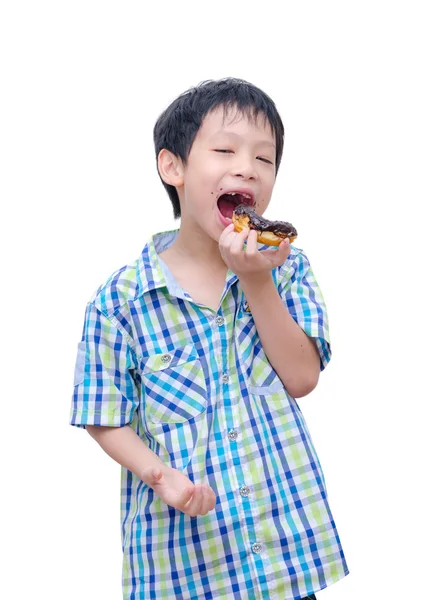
(168, 359)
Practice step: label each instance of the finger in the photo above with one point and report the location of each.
(205, 505)
(201, 501)
(252, 243)
(225, 233)
(184, 496)
(202, 508)
(237, 243)
(284, 248)
(227, 242)
(210, 500)
(204, 501)
(226, 239)
(278, 255)
(193, 506)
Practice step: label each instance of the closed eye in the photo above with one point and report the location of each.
(226, 151)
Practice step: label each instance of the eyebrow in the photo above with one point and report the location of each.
(238, 137)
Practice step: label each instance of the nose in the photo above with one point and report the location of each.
(245, 169)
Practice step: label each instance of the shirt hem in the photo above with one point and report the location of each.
(327, 583)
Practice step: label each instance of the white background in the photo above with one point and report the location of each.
(361, 88)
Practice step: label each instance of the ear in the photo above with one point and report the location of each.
(170, 168)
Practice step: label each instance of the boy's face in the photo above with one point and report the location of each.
(232, 156)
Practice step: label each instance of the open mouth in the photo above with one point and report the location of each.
(228, 202)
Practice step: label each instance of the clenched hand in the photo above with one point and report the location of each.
(176, 490)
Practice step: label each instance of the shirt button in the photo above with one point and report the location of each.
(232, 434)
(225, 378)
(220, 321)
(244, 491)
(166, 358)
(257, 548)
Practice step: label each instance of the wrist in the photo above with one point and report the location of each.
(257, 284)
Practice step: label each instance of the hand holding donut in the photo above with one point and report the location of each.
(271, 233)
(251, 262)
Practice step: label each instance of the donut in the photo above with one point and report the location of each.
(271, 233)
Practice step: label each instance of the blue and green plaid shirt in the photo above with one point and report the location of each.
(199, 390)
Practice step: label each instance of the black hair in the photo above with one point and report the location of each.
(177, 127)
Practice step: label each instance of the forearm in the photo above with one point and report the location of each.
(171, 485)
(290, 351)
(126, 448)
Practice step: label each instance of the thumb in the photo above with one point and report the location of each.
(280, 254)
(186, 494)
(284, 249)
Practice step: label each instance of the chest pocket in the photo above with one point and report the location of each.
(174, 385)
(261, 376)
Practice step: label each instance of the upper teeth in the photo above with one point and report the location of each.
(240, 194)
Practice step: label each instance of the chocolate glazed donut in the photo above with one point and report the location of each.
(271, 233)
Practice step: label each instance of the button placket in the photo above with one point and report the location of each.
(245, 491)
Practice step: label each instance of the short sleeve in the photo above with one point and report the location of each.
(300, 292)
(104, 392)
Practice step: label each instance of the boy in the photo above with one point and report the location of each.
(189, 364)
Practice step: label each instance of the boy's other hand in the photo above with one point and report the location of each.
(250, 262)
(176, 490)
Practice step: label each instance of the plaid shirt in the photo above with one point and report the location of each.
(199, 390)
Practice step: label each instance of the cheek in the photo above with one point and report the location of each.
(262, 205)
(214, 168)
(208, 176)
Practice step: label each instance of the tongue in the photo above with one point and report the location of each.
(226, 207)
(228, 203)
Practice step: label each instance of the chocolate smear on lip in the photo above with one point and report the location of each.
(279, 228)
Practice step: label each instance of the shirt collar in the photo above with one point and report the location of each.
(151, 274)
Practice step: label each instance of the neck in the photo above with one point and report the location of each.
(197, 247)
